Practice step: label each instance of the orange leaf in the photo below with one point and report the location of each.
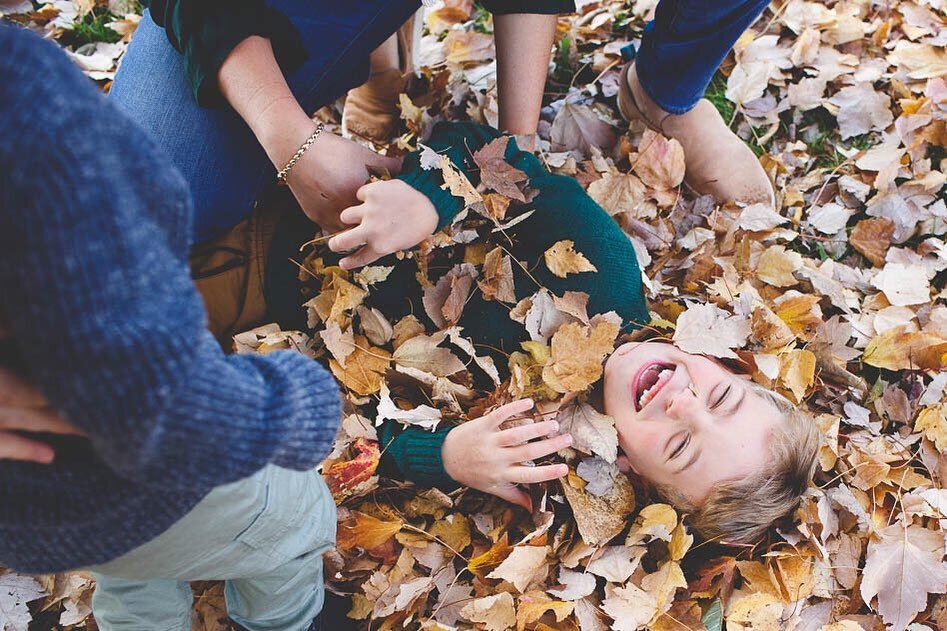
(366, 532)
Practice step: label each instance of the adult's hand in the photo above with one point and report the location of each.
(23, 408)
(328, 175)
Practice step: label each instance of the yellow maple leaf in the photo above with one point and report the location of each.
(562, 259)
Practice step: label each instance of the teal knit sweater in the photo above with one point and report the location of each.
(563, 210)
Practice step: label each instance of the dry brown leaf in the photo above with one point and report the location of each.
(367, 532)
(364, 367)
(660, 161)
(496, 173)
(577, 354)
(522, 566)
(496, 613)
(901, 350)
(872, 238)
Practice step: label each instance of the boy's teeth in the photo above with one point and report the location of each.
(663, 376)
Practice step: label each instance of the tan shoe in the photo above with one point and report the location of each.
(371, 110)
(717, 162)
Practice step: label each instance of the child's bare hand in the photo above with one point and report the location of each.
(393, 216)
(482, 456)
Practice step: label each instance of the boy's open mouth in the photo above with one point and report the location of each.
(649, 381)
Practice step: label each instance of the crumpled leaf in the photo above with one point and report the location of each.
(706, 329)
(522, 566)
(496, 173)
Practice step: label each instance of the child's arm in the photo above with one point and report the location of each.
(478, 454)
(524, 45)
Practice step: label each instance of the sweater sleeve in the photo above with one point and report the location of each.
(205, 31)
(95, 230)
(546, 7)
(458, 142)
(414, 454)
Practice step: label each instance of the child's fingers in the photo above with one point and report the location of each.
(513, 495)
(539, 449)
(348, 240)
(525, 433)
(531, 475)
(504, 412)
(363, 256)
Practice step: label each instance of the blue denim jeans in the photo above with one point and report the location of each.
(213, 148)
(684, 45)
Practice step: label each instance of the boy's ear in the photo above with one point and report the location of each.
(624, 465)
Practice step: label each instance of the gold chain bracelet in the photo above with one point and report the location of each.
(284, 172)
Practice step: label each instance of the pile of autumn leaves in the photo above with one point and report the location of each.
(836, 301)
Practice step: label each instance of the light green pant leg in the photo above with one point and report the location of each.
(265, 535)
(144, 605)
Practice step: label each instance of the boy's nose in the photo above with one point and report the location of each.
(681, 404)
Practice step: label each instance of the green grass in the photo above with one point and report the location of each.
(715, 94)
(92, 29)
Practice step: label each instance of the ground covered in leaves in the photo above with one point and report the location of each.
(836, 300)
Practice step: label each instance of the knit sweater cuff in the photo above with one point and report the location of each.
(417, 455)
(545, 7)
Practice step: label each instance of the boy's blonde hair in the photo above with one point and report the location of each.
(741, 511)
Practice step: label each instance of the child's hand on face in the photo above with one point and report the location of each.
(393, 216)
(482, 456)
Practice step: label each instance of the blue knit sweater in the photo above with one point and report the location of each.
(95, 229)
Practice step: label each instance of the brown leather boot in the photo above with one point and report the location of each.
(718, 163)
(371, 110)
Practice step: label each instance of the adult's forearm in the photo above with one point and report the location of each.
(524, 46)
(253, 84)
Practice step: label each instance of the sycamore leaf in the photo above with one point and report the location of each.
(577, 354)
(562, 259)
(496, 613)
(366, 532)
(496, 173)
(616, 564)
(592, 432)
(521, 566)
(574, 585)
(903, 565)
(707, 329)
(631, 607)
